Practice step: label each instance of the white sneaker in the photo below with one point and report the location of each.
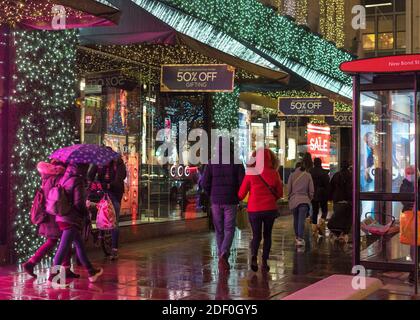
(93, 277)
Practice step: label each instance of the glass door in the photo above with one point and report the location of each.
(387, 170)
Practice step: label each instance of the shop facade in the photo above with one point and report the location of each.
(326, 135)
(126, 115)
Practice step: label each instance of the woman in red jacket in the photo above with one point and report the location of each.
(265, 188)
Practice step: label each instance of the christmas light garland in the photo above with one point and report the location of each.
(150, 55)
(331, 21)
(261, 26)
(13, 12)
(276, 42)
(44, 95)
(226, 109)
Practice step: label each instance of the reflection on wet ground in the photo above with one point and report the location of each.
(185, 267)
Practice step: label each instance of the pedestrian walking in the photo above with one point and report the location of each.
(111, 177)
(51, 173)
(74, 184)
(321, 182)
(221, 183)
(341, 194)
(301, 191)
(264, 189)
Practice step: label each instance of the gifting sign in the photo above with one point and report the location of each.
(340, 119)
(319, 143)
(197, 78)
(306, 107)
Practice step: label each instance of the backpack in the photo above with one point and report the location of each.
(38, 213)
(57, 202)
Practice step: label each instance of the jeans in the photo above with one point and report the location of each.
(299, 215)
(72, 236)
(47, 247)
(115, 232)
(315, 210)
(262, 222)
(224, 221)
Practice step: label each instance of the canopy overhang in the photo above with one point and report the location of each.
(40, 14)
(221, 39)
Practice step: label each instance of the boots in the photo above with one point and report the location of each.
(265, 267)
(314, 230)
(254, 264)
(71, 275)
(29, 268)
(322, 226)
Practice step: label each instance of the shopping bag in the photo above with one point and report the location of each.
(242, 221)
(106, 218)
(407, 230)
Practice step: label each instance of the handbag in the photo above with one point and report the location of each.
(279, 212)
(242, 221)
(106, 218)
(407, 229)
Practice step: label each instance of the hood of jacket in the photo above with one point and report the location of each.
(263, 155)
(48, 169)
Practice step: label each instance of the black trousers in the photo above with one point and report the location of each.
(315, 210)
(262, 226)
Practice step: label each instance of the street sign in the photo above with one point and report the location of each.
(306, 107)
(197, 78)
(388, 64)
(340, 119)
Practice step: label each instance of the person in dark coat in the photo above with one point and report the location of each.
(74, 183)
(341, 186)
(51, 173)
(112, 178)
(221, 183)
(321, 182)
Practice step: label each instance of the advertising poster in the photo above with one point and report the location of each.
(319, 143)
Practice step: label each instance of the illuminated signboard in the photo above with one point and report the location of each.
(197, 78)
(306, 107)
(340, 119)
(319, 143)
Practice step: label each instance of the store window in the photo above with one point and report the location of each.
(126, 115)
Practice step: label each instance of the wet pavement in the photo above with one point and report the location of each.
(185, 267)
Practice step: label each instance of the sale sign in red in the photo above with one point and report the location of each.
(319, 143)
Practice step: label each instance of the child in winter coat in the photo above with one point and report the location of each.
(51, 173)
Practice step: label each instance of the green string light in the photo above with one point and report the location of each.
(225, 110)
(44, 96)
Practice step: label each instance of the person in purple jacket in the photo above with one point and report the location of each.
(221, 182)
